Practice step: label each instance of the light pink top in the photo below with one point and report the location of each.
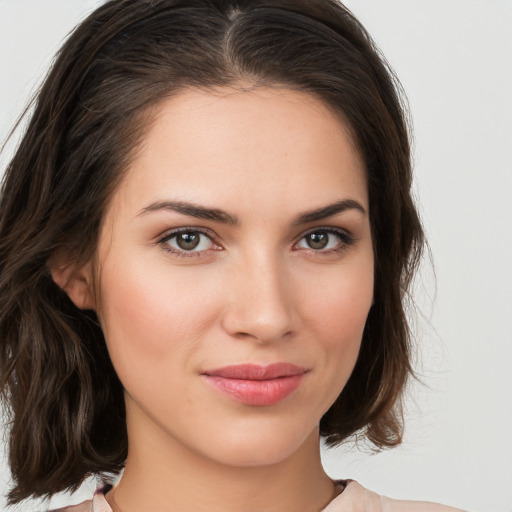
(354, 498)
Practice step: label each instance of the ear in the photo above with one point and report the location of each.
(76, 281)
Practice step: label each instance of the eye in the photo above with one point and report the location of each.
(186, 240)
(324, 240)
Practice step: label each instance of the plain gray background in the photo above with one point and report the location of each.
(454, 60)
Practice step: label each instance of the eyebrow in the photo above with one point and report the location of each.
(192, 210)
(329, 211)
(223, 217)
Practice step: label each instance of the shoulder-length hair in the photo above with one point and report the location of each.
(67, 417)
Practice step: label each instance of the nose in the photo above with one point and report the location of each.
(259, 305)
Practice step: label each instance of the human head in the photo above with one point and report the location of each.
(90, 115)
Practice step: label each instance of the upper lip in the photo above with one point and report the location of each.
(256, 372)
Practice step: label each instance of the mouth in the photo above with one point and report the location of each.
(256, 385)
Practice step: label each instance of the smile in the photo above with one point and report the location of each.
(257, 385)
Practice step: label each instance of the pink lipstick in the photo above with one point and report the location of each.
(253, 384)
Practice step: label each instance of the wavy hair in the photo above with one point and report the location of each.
(65, 402)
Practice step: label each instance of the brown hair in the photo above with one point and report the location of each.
(66, 402)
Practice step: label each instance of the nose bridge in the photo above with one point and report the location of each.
(259, 307)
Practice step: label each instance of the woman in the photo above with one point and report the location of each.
(206, 236)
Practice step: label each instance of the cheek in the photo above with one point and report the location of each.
(150, 315)
(336, 311)
(339, 303)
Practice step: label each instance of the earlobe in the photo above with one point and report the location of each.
(76, 281)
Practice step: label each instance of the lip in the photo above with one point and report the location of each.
(253, 384)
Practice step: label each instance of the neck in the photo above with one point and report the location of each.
(162, 474)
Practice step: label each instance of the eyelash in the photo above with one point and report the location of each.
(183, 253)
(345, 240)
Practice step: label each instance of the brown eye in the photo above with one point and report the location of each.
(193, 242)
(325, 240)
(188, 241)
(317, 240)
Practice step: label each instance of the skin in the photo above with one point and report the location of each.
(252, 291)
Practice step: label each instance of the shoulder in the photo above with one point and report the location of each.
(97, 504)
(355, 498)
(86, 506)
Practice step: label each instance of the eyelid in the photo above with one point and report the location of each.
(346, 238)
(169, 234)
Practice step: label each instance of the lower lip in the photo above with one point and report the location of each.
(257, 392)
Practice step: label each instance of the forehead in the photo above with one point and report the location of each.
(224, 144)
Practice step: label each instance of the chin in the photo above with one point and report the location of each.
(259, 446)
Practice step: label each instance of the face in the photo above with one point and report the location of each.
(236, 273)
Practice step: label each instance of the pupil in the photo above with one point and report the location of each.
(318, 240)
(188, 241)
